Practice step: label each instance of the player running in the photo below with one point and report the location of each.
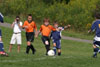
(45, 30)
(96, 42)
(31, 28)
(56, 37)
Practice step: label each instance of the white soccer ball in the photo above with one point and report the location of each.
(51, 53)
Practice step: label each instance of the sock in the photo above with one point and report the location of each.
(59, 53)
(1, 46)
(32, 48)
(27, 49)
(47, 49)
(54, 48)
(95, 51)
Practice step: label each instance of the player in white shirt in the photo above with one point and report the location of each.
(16, 37)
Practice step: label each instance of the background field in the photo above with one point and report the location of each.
(74, 54)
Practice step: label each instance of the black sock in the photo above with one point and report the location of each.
(27, 49)
(59, 53)
(47, 48)
(95, 52)
(32, 48)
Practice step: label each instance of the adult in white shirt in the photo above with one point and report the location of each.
(16, 37)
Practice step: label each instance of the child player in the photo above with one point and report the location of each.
(2, 52)
(45, 30)
(56, 37)
(96, 42)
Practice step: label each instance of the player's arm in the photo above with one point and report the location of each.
(66, 27)
(25, 25)
(36, 33)
(92, 27)
(53, 29)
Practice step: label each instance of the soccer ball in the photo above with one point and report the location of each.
(51, 53)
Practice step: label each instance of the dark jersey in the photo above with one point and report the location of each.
(96, 27)
(56, 35)
(1, 18)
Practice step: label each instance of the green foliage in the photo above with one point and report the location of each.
(78, 13)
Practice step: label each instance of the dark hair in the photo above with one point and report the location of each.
(30, 15)
(97, 15)
(17, 17)
(46, 20)
(55, 22)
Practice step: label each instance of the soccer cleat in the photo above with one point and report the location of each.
(3, 54)
(34, 51)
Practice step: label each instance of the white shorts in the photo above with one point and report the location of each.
(16, 38)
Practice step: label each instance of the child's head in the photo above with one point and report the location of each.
(46, 21)
(56, 24)
(17, 18)
(29, 18)
(97, 15)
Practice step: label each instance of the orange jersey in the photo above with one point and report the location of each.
(46, 30)
(31, 26)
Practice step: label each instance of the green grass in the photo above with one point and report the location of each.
(82, 35)
(74, 54)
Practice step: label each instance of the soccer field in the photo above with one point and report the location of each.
(74, 54)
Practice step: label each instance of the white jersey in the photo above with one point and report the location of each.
(16, 28)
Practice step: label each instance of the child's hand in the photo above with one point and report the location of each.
(68, 26)
(26, 27)
(89, 31)
(36, 34)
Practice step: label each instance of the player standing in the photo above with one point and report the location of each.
(96, 27)
(31, 28)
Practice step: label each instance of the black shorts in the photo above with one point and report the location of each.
(45, 38)
(30, 36)
(97, 43)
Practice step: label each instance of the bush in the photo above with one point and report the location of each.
(78, 13)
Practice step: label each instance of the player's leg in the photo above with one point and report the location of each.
(1, 46)
(46, 41)
(28, 43)
(31, 40)
(58, 45)
(95, 51)
(28, 47)
(95, 48)
(54, 47)
(2, 52)
(59, 52)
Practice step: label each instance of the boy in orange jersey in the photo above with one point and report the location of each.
(45, 30)
(30, 27)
